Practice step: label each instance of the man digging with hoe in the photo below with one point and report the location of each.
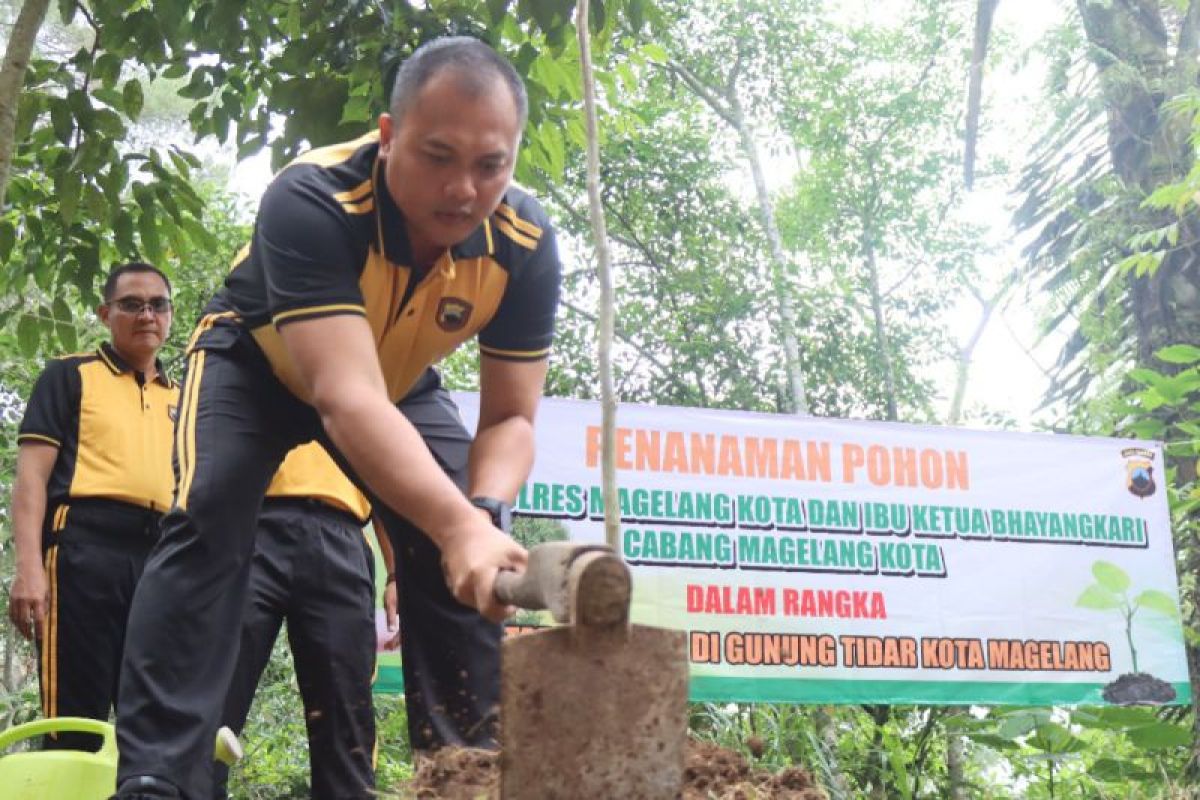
(370, 261)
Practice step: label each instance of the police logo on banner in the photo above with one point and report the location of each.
(1139, 471)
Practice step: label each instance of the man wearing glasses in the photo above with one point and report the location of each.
(93, 477)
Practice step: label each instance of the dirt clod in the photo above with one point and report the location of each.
(756, 746)
(456, 773)
(710, 773)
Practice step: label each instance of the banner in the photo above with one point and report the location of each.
(833, 561)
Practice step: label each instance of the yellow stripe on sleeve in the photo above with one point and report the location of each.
(523, 355)
(516, 235)
(316, 311)
(355, 194)
(37, 437)
(524, 225)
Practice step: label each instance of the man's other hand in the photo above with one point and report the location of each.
(28, 601)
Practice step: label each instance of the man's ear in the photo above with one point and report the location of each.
(102, 312)
(386, 131)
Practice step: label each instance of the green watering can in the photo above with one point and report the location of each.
(59, 774)
(73, 774)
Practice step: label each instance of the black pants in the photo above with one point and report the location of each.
(312, 566)
(236, 423)
(94, 552)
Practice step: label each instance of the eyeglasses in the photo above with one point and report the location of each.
(135, 305)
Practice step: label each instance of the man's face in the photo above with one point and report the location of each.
(449, 159)
(138, 334)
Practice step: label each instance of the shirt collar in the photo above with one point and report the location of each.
(391, 234)
(119, 366)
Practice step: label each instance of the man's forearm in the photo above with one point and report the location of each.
(501, 458)
(28, 511)
(390, 456)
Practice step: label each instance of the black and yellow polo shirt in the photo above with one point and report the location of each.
(330, 240)
(308, 473)
(112, 428)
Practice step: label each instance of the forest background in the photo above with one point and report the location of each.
(813, 207)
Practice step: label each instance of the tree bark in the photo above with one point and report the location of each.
(885, 350)
(956, 761)
(984, 11)
(608, 400)
(12, 79)
(1149, 147)
(827, 738)
(728, 108)
(966, 353)
(766, 211)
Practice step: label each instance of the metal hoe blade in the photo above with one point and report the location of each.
(596, 709)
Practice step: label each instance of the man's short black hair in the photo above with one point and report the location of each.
(474, 59)
(110, 283)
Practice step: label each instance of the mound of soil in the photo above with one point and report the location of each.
(710, 773)
(1139, 689)
(714, 773)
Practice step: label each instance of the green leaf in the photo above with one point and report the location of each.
(60, 118)
(551, 139)
(133, 98)
(67, 185)
(357, 109)
(1160, 736)
(109, 123)
(123, 233)
(8, 238)
(1154, 600)
(993, 741)
(1110, 576)
(496, 10)
(66, 10)
(108, 69)
(1147, 377)
(1110, 770)
(637, 15)
(548, 14)
(1147, 428)
(655, 52)
(596, 16)
(1017, 725)
(1179, 354)
(1054, 738)
(81, 108)
(27, 335)
(148, 234)
(1098, 598)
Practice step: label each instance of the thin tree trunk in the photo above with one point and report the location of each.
(966, 353)
(984, 11)
(12, 78)
(766, 210)
(729, 109)
(608, 400)
(956, 762)
(885, 350)
(827, 738)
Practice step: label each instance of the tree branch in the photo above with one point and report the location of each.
(12, 78)
(701, 90)
(985, 10)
